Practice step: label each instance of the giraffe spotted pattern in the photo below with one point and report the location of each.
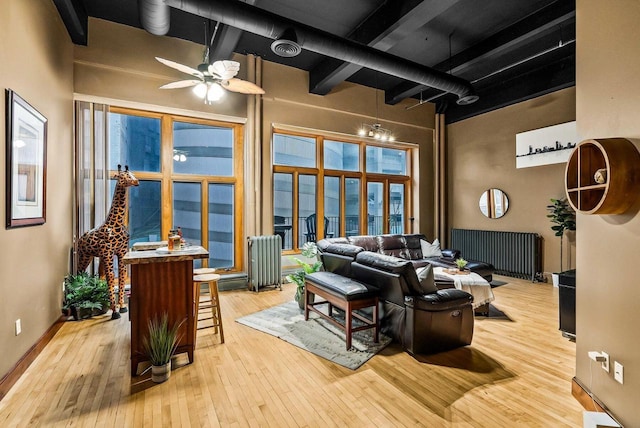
(110, 241)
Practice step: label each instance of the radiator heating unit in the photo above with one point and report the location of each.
(265, 262)
(516, 254)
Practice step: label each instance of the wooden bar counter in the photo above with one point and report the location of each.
(162, 281)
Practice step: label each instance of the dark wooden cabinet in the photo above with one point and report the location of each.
(162, 284)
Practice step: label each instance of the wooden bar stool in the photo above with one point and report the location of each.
(211, 302)
(203, 271)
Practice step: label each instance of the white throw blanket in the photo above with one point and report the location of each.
(472, 283)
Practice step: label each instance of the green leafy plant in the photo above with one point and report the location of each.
(461, 263)
(563, 218)
(309, 250)
(85, 292)
(162, 341)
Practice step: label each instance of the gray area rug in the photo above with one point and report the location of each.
(286, 321)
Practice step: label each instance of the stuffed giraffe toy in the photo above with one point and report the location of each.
(109, 240)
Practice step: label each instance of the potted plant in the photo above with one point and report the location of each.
(309, 250)
(160, 345)
(562, 218)
(85, 295)
(461, 263)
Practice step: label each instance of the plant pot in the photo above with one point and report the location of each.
(556, 279)
(81, 313)
(300, 299)
(162, 373)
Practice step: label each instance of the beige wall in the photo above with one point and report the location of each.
(36, 61)
(608, 105)
(481, 155)
(119, 63)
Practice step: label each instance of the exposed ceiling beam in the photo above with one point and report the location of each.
(267, 24)
(554, 15)
(383, 29)
(225, 43)
(75, 18)
(226, 40)
(544, 80)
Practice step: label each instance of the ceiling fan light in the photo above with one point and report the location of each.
(362, 132)
(200, 90)
(215, 92)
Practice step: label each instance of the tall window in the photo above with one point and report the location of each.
(356, 188)
(190, 173)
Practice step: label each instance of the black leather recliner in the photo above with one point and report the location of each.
(415, 313)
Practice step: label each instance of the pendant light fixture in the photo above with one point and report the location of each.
(375, 130)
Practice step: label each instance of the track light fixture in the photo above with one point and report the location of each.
(376, 131)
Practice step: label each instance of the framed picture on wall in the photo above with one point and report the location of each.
(26, 163)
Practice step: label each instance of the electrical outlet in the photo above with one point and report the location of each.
(605, 363)
(18, 326)
(618, 372)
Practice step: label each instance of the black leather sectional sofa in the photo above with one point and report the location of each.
(415, 312)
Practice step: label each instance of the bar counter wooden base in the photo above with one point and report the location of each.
(162, 283)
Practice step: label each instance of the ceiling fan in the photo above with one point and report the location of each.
(211, 79)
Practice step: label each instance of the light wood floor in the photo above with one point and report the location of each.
(517, 372)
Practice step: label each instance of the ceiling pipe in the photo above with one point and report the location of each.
(264, 23)
(154, 16)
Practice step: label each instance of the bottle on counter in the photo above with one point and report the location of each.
(183, 242)
(173, 240)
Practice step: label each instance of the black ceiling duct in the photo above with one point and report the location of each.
(155, 16)
(264, 23)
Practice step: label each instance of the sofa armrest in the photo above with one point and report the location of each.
(441, 300)
(451, 254)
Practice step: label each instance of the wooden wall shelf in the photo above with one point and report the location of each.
(620, 159)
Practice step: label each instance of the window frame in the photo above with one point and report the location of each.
(362, 175)
(167, 177)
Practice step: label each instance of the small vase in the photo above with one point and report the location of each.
(161, 374)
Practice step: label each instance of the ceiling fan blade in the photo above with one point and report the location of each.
(180, 84)
(242, 86)
(180, 67)
(225, 70)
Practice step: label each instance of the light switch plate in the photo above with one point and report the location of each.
(618, 372)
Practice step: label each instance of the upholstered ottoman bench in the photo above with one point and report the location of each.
(346, 294)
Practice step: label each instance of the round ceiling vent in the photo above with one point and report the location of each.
(467, 99)
(287, 44)
(286, 48)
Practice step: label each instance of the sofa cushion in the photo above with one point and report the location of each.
(412, 243)
(395, 265)
(324, 243)
(430, 249)
(343, 249)
(392, 245)
(426, 280)
(368, 242)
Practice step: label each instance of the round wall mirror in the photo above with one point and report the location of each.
(494, 203)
